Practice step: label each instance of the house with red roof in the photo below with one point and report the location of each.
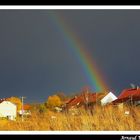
(8, 109)
(85, 100)
(129, 96)
(26, 110)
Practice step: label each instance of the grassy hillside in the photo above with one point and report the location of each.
(103, 118)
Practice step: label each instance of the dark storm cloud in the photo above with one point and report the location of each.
(113, 38)
(35, 62)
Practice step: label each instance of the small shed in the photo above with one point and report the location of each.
(8, 110)
(108, 98)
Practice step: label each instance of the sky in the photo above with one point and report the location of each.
(36, 63)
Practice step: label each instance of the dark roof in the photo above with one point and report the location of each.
(127, 94)
(3, 99)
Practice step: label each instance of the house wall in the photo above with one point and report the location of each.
(8, 109)
(108, 99)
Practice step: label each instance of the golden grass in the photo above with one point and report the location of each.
(103, 119)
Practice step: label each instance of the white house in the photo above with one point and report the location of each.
(8, 110)
(108, 98)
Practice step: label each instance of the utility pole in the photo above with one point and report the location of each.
(96, 98)
(22, 98)
(131, 100)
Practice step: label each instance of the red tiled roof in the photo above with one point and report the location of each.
(128, 94)
(26, 107)
(92, 97)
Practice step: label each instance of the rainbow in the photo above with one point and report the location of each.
(92, 73)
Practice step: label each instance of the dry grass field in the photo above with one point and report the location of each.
(102, 119)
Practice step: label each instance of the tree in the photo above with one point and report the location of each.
(53, 101)
(61, 95)
(42, 108)
(16, 101)
(38, 108)
(85, 89)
